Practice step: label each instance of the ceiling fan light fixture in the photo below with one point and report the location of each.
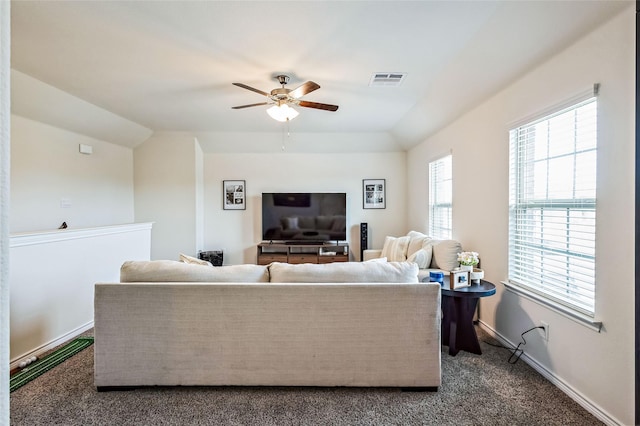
(282, 112)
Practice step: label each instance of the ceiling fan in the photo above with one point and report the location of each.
(282, 99)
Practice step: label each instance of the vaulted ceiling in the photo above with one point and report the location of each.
(170, 65)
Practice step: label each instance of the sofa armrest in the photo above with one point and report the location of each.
(371, 254)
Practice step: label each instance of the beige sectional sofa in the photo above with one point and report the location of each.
(342, 324)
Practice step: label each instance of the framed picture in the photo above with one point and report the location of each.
(374, 194)
(459, 278)
(234, 192)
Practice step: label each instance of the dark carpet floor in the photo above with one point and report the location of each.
(476, 390)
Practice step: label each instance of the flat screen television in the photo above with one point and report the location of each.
(299, 217)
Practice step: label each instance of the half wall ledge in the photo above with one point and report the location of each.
(41, 237)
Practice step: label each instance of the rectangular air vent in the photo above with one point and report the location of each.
(387, 79)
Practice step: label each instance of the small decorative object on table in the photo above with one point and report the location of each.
(476, 275)
(436, 277)
(468, 259)
(459, 278)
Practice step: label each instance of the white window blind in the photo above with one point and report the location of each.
(552, 206)
(440, 196)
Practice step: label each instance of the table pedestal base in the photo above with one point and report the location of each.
(458, 331)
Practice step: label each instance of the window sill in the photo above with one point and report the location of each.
(563, 310)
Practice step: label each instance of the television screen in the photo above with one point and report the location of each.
(304, 216)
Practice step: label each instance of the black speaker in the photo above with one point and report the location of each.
(364, 238)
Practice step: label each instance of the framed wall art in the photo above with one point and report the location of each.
(234, 193)
(374, 194)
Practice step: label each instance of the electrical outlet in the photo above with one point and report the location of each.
(544, 331)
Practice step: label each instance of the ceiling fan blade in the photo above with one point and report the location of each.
(249, 105)
(244, 86)
(307, 87)
(317, 105)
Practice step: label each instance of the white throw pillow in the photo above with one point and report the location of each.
(422, 257)
(417, 241)
(377, 259)
(413, 234)
(419, 257)
(194, 261)
(395, 249)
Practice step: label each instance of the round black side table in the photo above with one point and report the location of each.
(458, 308)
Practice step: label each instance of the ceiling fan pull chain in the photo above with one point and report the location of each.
(283, 138)
(288, 134)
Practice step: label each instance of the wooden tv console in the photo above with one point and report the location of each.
(302, 253)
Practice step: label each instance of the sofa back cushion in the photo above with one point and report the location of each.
(344, 272)
(445, 254)
(172, 271)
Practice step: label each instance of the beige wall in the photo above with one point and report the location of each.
(199, 189)
(47, 167)
(239, 231)
(165, 192)
(170, 192)
(596, 368)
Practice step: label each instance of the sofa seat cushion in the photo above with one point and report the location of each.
(344, 272)
(173, 271)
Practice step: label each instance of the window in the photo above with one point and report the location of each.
(440, 195)
(552, 207)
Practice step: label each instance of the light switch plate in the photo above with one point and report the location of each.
(86, 149)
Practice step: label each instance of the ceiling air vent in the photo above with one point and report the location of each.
(387, 79)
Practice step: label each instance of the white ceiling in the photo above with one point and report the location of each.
(168, 66)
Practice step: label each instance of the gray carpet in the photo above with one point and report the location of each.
(476, 390)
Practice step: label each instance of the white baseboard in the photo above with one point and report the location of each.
(586, 403)
(50, 345)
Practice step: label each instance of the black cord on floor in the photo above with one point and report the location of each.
(516, 352)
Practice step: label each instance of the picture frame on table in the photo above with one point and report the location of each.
(234, 195)
(459, 279)
(374, 194)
